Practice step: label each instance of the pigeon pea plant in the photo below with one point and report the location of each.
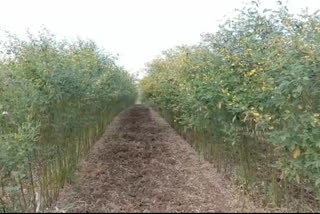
(56, 98)
(248, 97)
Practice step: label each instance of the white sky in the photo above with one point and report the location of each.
(137, 30)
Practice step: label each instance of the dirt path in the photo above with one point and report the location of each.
(142, 165)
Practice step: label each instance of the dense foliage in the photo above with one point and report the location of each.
(56, 98)
(250, 94)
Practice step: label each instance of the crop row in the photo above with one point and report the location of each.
(248, 96)
(56, 98)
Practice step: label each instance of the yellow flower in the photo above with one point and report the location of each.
(252, 72)
(256, 114)
(296, 153)
(310, 53)
(234, 99)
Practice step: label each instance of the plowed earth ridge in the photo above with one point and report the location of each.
(143, 165)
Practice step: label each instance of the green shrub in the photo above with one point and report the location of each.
(249, 95)
(56, 98)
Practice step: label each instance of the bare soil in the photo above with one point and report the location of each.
(143, 165)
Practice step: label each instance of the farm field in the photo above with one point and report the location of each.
(142, 165)
(228, 124)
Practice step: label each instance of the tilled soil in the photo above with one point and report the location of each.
(142, 165)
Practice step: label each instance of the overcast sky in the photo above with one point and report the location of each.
(137, 30)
